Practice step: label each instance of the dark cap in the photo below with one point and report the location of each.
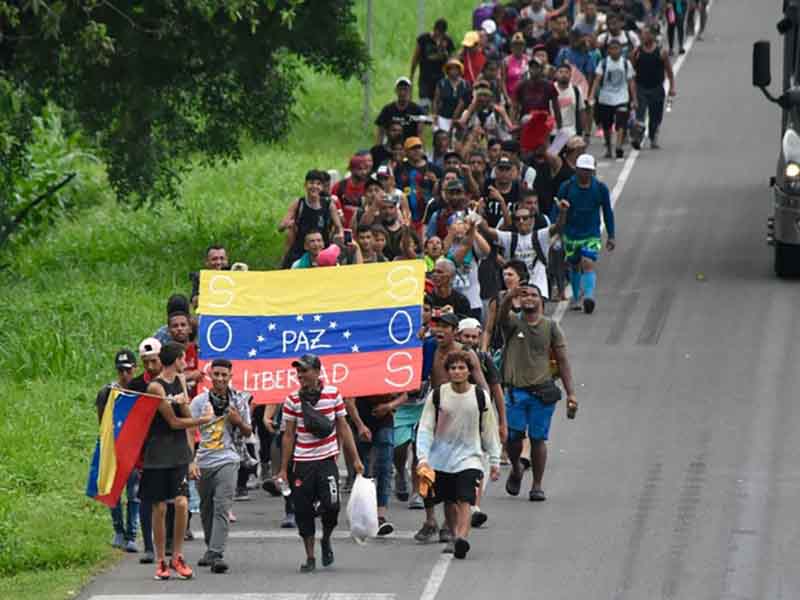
(451, 154)
(454, 185)
(504, 163)
(308, 361)
(125, 359)
(448, 319)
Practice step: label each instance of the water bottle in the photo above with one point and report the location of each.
(283, 486)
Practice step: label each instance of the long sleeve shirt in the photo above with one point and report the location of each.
(456, 442)
(585, 206)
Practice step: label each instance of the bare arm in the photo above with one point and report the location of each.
(558, 226)
(337, 222)
(287, 447)
(500, 405)
(491, 318)
(565, 370)
(488, 231)
(556, 108)
(415, 58)
(670, 72)
(352, 411)
(288, 220)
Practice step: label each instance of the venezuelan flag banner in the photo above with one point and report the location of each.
(123, 430)
(361, 320)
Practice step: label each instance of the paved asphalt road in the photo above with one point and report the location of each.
(680, 477)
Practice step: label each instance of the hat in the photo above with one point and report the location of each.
(453, 62)
(539, 48)
(471, 38)
(489, 26)
(329, 256)
(469, 323)
(451, 154)
(504, 163)
(411, 142)
(307, 361)
(454, 185)
(125, 359)
(239, 266)
(402, 81)
(358, 161)
(384, 171)
(585, 161)
(518, 38)
(447, 318)
(149, 347)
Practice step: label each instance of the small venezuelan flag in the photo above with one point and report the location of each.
(123, 430)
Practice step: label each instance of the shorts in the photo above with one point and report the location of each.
(405, 423)
(456, 487)
(589, 248)
(161, 485)
(609, 116)
(525, 412)
(315, 481)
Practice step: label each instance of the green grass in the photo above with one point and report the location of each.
(73, 297)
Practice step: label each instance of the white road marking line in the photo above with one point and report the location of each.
(436, 577)
(249, 596)
(291, 534)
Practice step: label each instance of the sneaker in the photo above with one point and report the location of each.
(682, 51)
(478, 518)
(309, 566)
(242, 495)
(654, 143)
(416, 502)
(327, 551)
(426, 533)
(401, 486)
(147, 558)
(449, 548)
(289, 522)
(218, 565)
(588, 305)
(231, 517)
(461, 548)
(575, 305)
(179, 565)
(608, 153)
(537, 496)
(118, 540)
(620, 153)
(130, 547)
(188, 536)
(162, 571)
(384, 527)
(207, 559)
(445, 535)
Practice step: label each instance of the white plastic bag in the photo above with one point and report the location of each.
(362, 510)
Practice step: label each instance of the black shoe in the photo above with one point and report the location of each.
(620, 153)
(636, 143)
(588, 305)
(147, 558)
(682, 51)
(309, 566)
(218, 565)
(478, 518)
(242, 495)
(188, 536)
(426, 532)
(207, 559)
(608, 153)
(445, 535)
(537, 496)
(327, 552)
(461, 547)
(384, 527)
(513, 484)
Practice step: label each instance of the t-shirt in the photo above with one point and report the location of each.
(536, 95)
(628, 39)
(456, 300)
(391, 113)
(307, 446)
(527, 254)
(526, 358)
(102, 396)
(365, 405)
(568, 102)
(394, 242)
(216, 445)
(417, 188)
(433, 56)
(140, 383)
(166, 447)
(614, 85)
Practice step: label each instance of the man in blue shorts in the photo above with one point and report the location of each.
(587, 197)
(532, 394)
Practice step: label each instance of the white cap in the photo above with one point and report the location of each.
(469, 323)
(149, 346)
(585, 161)
(489, 26)
(400, 80)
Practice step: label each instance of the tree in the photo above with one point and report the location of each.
(157, 83)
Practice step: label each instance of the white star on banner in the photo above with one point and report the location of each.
(333, 325)
(299, 317)
(347, 334)
(317, 318)
(260, 339)
(252, 352)
(355, 348)
(119, 424)
(272, 327)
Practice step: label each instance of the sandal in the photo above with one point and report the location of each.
(537, 496)
(513, 484)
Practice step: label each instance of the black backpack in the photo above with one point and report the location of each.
(479, 394)
(537, 247)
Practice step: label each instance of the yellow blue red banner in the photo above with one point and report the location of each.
(361, 320)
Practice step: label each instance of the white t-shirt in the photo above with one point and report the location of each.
(628, 39)
(568, 101)
(526, 253)
(614, 85)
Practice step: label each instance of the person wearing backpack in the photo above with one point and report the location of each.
(455, 431)
(628, 40)
(531, 392)
(615, 91)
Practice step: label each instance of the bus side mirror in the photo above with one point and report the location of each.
(762, 75)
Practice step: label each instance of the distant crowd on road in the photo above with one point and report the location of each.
(504, 206)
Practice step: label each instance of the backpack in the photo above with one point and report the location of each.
(479, 394)
(628, 44)
(537, 248)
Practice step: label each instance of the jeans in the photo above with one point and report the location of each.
(383, 444)
(216, 487)
(128, 529)
(651, 100)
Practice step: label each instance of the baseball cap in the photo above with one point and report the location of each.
(411, 142)
(402, 81)
(358, 161)
(384, 171)
(329, 256)
(469, 323)
(504, 163)
(125, 359)
(149, 346)
(489, 26)
(585, 161)
(307, 361)
(471, 38)
(447, 318)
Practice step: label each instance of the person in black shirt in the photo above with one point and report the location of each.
(432, 51)
(443, 293)
(382, 153)
(403, 111)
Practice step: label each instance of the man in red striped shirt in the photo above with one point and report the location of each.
(313, 447)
